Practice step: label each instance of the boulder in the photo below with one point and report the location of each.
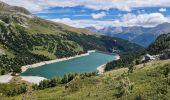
(147, 58)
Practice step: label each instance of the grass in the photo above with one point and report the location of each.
(37, 25)
(148, 82)
(6, 51)
(45, 53)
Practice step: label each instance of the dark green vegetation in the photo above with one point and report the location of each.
(61, 80)
(127, 60)
(13, 89)
(149, 82)
(25, 39)
(161, 44)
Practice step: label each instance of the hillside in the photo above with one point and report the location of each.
(139, 35)
(146, 82)
(27, 39)
(160, 47)
(161, 44)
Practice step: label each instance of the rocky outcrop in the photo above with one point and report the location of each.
(147, 58)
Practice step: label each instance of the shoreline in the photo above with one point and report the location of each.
(24, 68)
(117, 57)
(33, 79)
(6, 78)
(36, 79)
(101, 68)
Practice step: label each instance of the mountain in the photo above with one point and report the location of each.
(160, 47)
(27, 39)
(139, 35)
(15, 9)
(161, 44)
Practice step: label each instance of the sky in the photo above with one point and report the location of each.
(99, 13)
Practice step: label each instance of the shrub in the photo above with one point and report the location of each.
(166, 70)
(2, 72)
(125, 87)
(17, 90)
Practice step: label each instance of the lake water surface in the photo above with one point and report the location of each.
(82, 64)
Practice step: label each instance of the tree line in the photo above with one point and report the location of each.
(61, 80)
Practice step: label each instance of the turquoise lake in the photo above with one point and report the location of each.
(82, 64)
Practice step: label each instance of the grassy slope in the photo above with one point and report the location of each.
(147, 83)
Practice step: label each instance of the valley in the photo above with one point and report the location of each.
(55, 50)
(26, 39)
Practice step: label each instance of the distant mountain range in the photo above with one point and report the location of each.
(139, 35)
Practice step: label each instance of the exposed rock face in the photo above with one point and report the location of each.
(147, 58)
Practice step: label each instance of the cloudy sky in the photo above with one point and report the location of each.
(99, 13)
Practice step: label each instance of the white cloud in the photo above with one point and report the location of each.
(125, 5)
(84, 23)
(98, 15)
(142, 19)
(31, 5)
(127, 20)
(162, 9)
(145, 20)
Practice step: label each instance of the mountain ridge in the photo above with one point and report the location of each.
(6, 7)
(137, 34)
